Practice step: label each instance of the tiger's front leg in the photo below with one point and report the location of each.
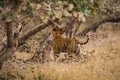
(56, 56)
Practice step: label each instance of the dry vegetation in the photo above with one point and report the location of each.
(100, 61)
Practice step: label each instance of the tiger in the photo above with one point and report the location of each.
(61, 44)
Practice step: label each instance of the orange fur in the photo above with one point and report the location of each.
(61, 44)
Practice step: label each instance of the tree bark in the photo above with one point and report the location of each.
(10, 45)
(9, 32)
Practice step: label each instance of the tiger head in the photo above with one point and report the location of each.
(57, 32)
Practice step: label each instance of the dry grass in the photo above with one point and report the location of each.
(104, 64)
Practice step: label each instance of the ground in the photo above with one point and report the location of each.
(101, 61)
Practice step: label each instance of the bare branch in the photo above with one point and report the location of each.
(34, 31)
(94, 26)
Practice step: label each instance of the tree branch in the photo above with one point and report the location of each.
(94, 26)
(34, 31)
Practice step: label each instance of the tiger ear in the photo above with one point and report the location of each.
(55, 28)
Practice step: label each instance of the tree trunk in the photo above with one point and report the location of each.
(10, 45)
(9, 6)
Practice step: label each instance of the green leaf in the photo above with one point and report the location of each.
(66, 13)
(58, 14)
(1, 3)
(1, 8)
(91, 1)
(87, 12)
(50, 13)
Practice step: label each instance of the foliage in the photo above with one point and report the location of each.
(61, 9)
(1, 3)
(42, 10)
